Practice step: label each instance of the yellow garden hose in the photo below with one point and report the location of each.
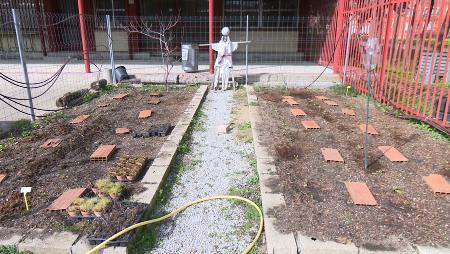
(180, 209)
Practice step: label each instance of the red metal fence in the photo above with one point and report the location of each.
(413, 67)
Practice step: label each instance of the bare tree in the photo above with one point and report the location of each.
(161, 34)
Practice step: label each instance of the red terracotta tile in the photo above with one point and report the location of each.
(370, 129)
(298, 112)
(360, 193)
(437, 183)
(330, 154)
(347, 111)
(103, 153)
(66, 199)
(145, 114)
(392, 154)
(2, 177)
(155, 94)
(53, 142)
(122, 131)
(103, 105)
(79, 119)
(322, 98)
(331, 103)
(310, 124)
(154, 101)
(286, 98)
(223, 129)
(120, 96)
(291, 102)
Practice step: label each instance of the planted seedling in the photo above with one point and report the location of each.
(102, 186)
(116, 190)
(86, 209)
(101, 206)
(73, 211)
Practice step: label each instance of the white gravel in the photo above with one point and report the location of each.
(211, 227)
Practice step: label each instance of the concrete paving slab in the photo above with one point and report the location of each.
(81, 246)
(277, 242)
(432, 250)
(57, 243)
(306, 245)
(10, 236)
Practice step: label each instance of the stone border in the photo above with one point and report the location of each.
(67, 242)
(279, 243)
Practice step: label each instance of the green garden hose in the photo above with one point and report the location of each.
(180, 209)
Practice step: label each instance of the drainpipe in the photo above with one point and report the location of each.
(87, 64)
(211, 36)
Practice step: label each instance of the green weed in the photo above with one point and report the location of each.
(244, 126)
(2, 148)
(345, 90)
(88, 97)
(435, 134)
(9, 249)
(24, 128)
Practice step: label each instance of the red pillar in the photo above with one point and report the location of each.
(338, 39)
(87, 64)
(211, 36)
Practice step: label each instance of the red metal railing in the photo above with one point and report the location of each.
(412, 73)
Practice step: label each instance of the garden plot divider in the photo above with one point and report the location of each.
(413, 70)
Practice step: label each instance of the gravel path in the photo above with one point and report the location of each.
(215, 163)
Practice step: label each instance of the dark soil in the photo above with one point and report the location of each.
(52, 171)
(318, 204)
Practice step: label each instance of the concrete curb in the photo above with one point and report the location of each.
(66, 242)
(272, 196)
(277, 242)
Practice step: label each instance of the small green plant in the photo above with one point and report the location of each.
(346, 90)
(88, 97)
(435, 134)
(102, 184)
(78, 201)
(2, 148)
(10, 249)
(86, 207)
(108, 89)
(244, 126)
(101, 205)
(73, 209)
(254, 180)
(115, 189)
(123, 86)
(24, 128)
(398, 190)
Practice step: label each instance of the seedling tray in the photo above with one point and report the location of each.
(97, 238)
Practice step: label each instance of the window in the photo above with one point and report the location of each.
(113, 8)
(262, 13)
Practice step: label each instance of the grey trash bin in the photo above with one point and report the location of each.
(189, 57)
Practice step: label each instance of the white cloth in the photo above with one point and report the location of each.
(224, 61)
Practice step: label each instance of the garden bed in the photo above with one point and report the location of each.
(317, 202)
(51, 171)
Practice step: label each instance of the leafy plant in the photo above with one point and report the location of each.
(24, 128)
(86, 207)
(88, 97)
(2, 147)
(78, 201)
(435, 134)
(101, 205)
(72, 209)
(10, 249)
(101, 184)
